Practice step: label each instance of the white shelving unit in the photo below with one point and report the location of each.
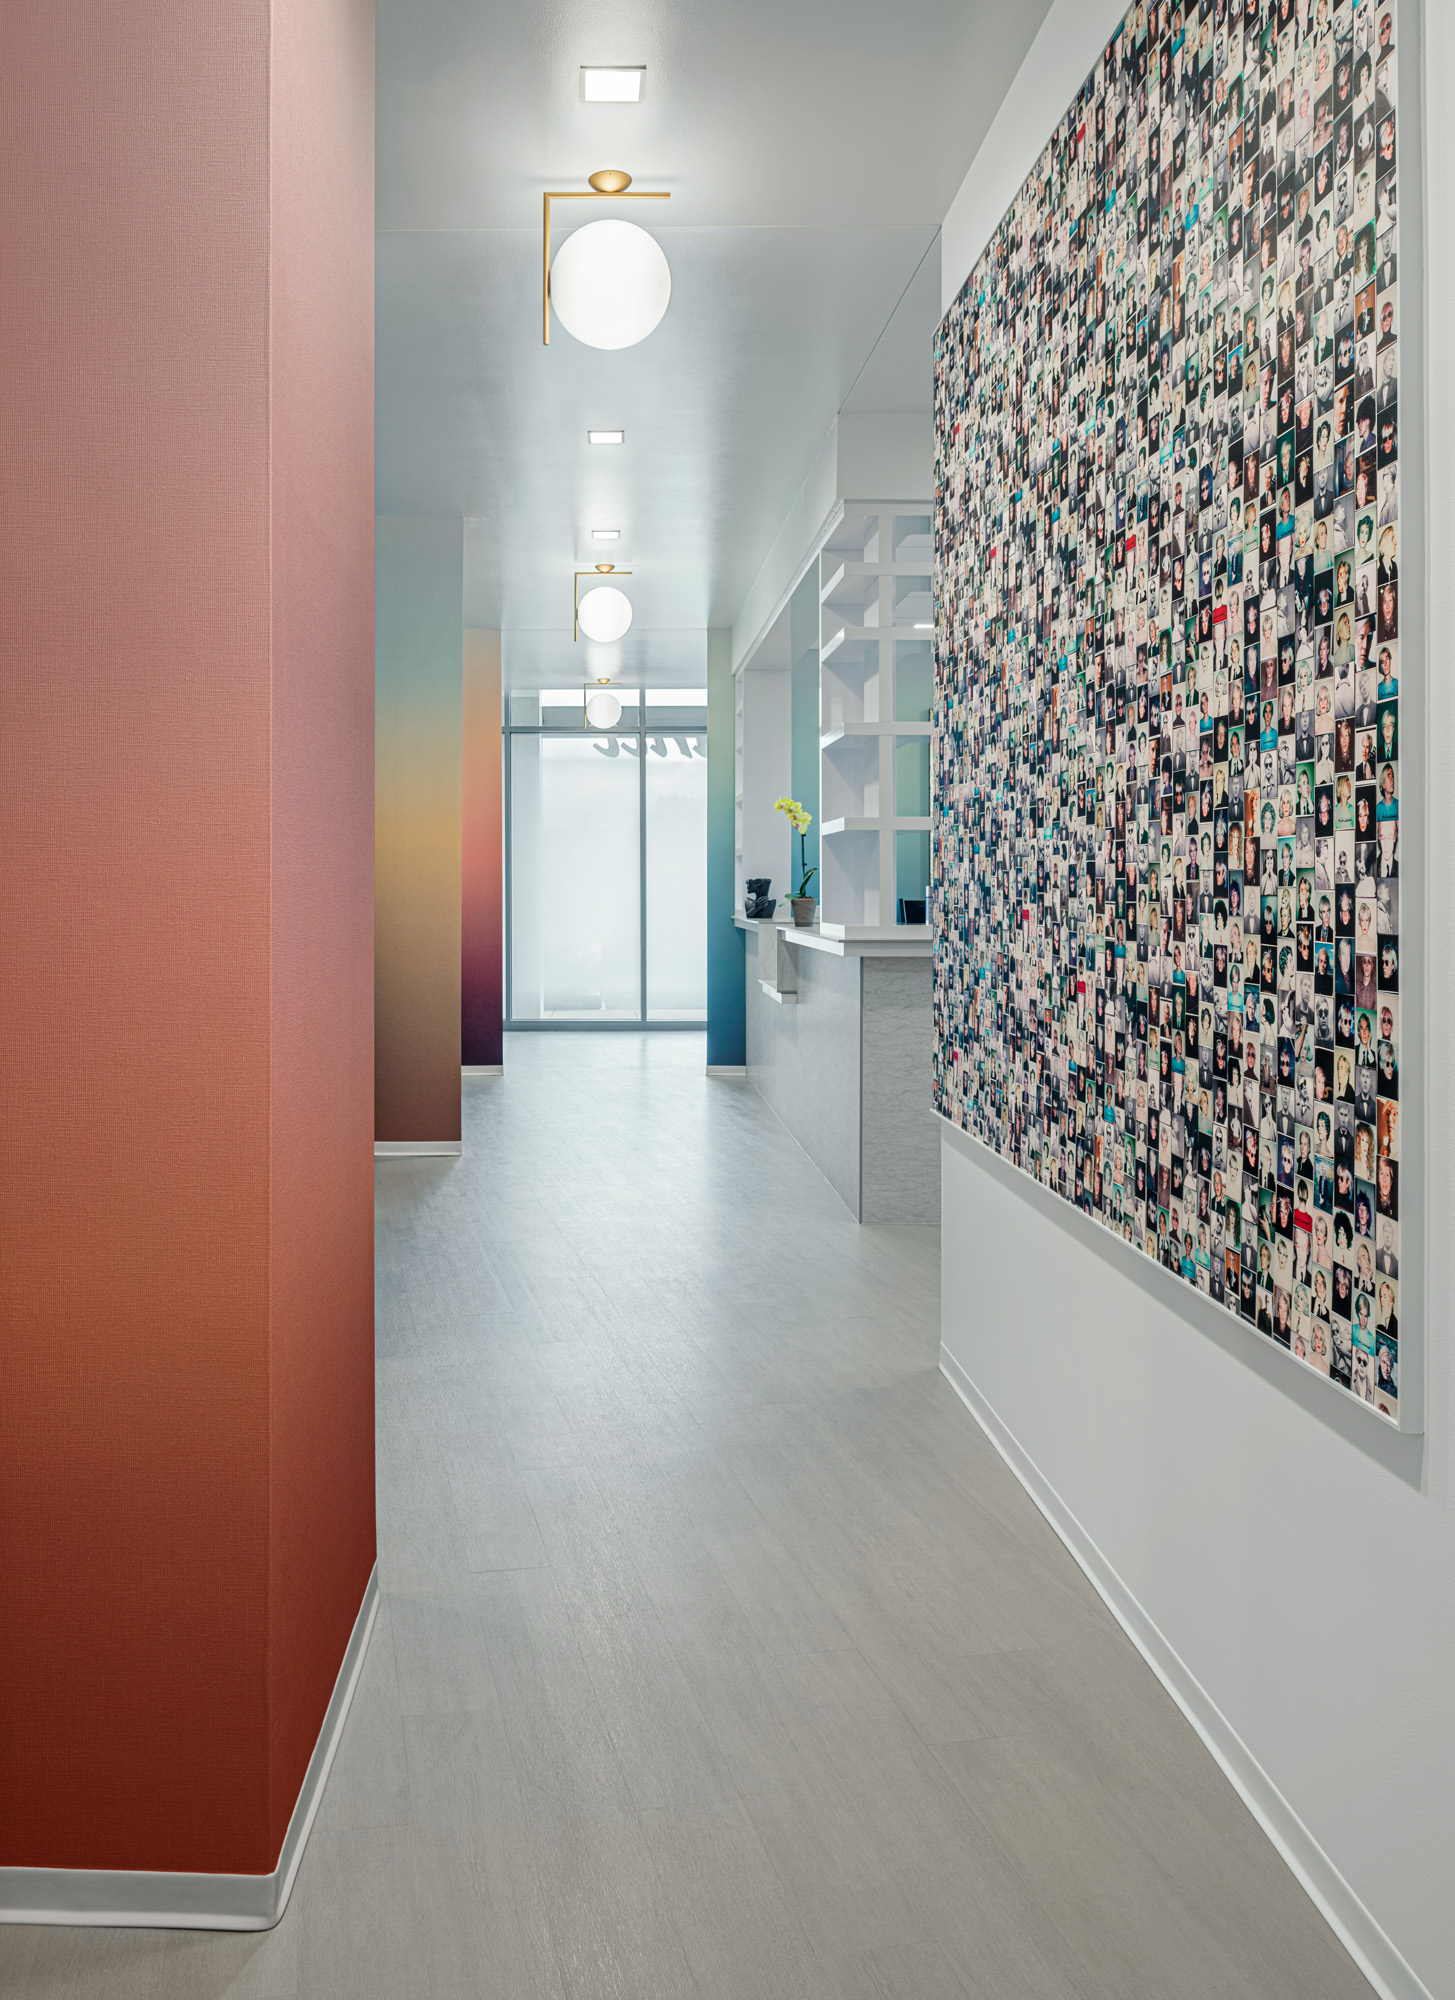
(876, 680)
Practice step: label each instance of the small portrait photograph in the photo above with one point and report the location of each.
(1386, 1252)
(1344, 683)
(1385, 143)
(1365, 1085)
(1387, 550)
(1388, 495)
(1387, 1025)
(1343, 1077)
(1363, 1216)
(1388, 1071)
(1344, 1225)
(1362, 1375)
(1364, 808)
(1386, 1367)
(1386, 208)
(1388, 839)
(1387, 797)
(1386, 320)
(1387, 1131)
(1388, 612)
(1365, 1037)
(1341, 1345)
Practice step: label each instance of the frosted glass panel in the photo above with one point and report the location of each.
(676, 877)
(912, 777)
(914, 680)
(575, 878)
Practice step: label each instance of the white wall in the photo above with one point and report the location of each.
(1060, 59)
(1287, 1563)
(889, 454)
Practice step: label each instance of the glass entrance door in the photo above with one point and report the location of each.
(606, 875)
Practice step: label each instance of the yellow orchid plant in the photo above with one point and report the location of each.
(800, 819)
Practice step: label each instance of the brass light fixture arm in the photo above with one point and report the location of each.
(616, 191)
(601, 572)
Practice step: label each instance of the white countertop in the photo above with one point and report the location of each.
(889, 945)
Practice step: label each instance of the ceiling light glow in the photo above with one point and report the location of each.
(923, 626)
(616, 83)
(606, 437)
(606, 534)
(605, 614)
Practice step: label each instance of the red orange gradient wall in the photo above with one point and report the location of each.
(418, 664)
(186, 796)
(481, 935)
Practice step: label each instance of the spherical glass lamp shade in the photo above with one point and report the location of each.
(610, 284)
(603, 710)
(605, 614)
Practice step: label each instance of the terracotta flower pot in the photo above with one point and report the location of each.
(803, 910)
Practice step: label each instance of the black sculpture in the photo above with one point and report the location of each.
(757, 902)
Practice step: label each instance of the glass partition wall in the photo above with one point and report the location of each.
(606, 861)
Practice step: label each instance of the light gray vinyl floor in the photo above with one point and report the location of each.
(719, 1654)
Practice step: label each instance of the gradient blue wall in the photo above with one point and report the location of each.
(727, 1045)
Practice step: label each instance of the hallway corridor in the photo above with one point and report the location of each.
(718, 1652)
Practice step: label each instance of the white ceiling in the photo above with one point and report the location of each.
(810, 149)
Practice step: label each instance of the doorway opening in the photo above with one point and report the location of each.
(606, 861)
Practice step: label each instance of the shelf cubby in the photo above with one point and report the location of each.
(876, 690)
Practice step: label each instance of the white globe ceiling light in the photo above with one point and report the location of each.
(603, 709)
(610, 615)
(610, 283)
(605, 614)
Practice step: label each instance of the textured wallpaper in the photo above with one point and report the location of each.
(1169, 734)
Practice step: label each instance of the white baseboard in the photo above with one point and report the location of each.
(482, 1069)
(727, 1069)
(1377, 1957)
(156, 1900)
(418, 1149)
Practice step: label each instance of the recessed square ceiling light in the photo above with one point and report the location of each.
(606, 534)
(606, 437)
(615, 83)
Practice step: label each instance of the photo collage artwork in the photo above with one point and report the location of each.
(1168, 734)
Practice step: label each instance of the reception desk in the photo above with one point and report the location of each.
(839, 1048)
